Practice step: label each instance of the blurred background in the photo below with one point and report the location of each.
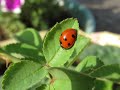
(93, 15)
(106, 13)
(98, 19)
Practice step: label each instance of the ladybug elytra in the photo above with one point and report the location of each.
(68, 38)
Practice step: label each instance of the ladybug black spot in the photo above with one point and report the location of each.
(68, 44)
(60, 42)
(61, 34)
(73, 36)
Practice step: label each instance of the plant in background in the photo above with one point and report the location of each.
(38, 14)
(108, 54)
(42, 14)
(45, 65)
(10, 24)
(11, 5)
(9, 17)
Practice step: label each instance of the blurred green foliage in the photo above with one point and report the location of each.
(38, 14)
(42, 14)
(108, 54)
(10, 23)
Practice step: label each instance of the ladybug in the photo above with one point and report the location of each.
(68, 38)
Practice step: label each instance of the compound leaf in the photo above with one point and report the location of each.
(30, 36)
(53, 52)
(23, 75)
(66, 79)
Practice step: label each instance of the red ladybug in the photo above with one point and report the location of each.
(68, 38)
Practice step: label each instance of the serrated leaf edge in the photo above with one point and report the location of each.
(52, 30)
(9, 70)
(103, 67)
(16, 52)
(6, 72)
(74, 59)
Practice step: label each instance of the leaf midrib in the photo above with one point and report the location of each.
(59, 47)
(30, 75)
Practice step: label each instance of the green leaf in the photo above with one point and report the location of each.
(42, 87)
(7, 57)
(23, 75)
(1, 82)
(88, 64)
(53, 52)
(70, 80)
(30, 36)
(23, 50)
(107, 54)
(110, 72)
(81, 43)
(103, 85)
